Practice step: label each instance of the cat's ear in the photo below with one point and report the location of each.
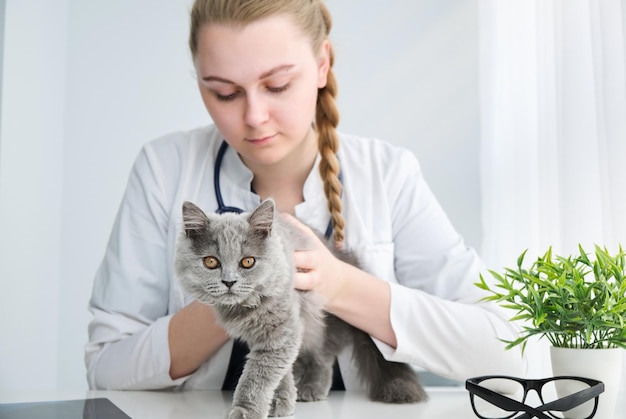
(194, 218)
(262, 218)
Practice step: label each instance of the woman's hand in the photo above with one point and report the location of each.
(194, 336)
(346, 291)
(317, 268)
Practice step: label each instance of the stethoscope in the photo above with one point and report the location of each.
(221, 208)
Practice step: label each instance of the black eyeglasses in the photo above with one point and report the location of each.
(558, 397)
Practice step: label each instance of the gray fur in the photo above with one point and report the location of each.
(293, 343)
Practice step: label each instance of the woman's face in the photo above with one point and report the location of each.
(259, 83)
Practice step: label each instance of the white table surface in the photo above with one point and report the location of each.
(448, 403)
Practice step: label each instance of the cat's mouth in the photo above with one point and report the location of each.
(226, 295)
(222, 296)
(230, 297)
(238, 298)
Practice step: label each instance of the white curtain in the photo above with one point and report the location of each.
(553, 120)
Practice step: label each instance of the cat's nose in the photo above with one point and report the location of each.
(229, 284)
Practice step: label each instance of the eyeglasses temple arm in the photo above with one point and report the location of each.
(506, 403)
(569, 402)
(573, 400)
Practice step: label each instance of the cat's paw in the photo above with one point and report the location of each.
(310, 393)
(398, 391)
(282, 407)
(238, 412)
(284, 401)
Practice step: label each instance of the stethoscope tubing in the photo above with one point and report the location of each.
(222, 208)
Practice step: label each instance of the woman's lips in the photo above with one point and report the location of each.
(261, 140)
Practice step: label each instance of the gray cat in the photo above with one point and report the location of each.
(241, 265)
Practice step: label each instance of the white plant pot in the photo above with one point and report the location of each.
(600, 364)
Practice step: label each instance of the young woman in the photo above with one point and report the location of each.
(264, 72)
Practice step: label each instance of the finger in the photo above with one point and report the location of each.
(305, 281)
(304, 260)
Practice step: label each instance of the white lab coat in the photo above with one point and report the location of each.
(393, 223)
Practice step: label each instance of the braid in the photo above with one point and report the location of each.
(326, 121)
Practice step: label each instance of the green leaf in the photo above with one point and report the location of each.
(520, 259)
(571, 300)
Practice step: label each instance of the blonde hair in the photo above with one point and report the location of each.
(313, 18)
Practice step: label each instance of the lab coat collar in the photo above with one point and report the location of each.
(236, 180)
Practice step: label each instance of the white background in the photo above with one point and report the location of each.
(86, 82)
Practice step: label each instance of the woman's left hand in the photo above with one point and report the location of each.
(351, 294)
(316, 267)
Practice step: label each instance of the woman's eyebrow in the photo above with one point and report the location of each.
(269, 73)
(215, 78)
(277, 69)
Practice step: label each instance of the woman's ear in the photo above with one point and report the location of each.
(323, 64)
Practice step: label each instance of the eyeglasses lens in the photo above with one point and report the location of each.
(558, 389)
(509, 388)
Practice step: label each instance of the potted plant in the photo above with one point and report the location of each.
(577, 303)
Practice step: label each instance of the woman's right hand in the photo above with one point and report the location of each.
(193, 337)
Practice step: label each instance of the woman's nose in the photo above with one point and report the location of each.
(256, 112)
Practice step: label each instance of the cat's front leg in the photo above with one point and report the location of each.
(261, 376)
(284, 402)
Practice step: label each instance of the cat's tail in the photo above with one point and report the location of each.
(386, 381)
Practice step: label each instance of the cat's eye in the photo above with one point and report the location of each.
(211, 262)
(247, 262)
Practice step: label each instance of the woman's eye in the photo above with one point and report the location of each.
(278, 89)
(226, 98)
(211, 262)
(247, 262)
